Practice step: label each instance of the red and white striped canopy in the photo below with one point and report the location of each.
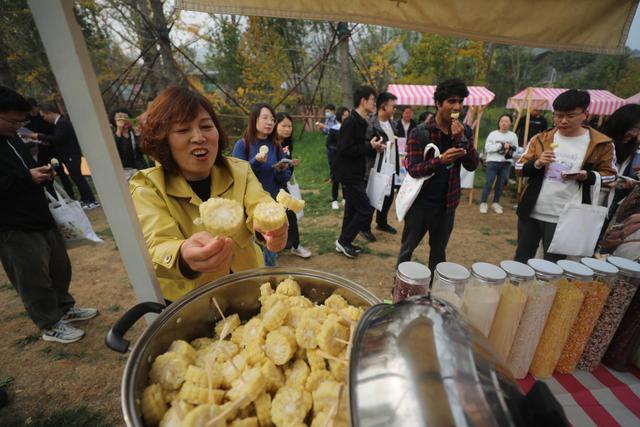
(423, 95)
(603, 102)
(635, 99)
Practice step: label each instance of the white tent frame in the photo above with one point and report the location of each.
(71, 65)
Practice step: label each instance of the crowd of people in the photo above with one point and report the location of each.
(173, 157)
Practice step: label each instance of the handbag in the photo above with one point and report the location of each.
(294, 189)
(71, 218)
(411, 186)
(579, 225)
(379, 184)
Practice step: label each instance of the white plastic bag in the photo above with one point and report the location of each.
(579, 225)
(379, 184)
(294, 189)
(411, 186)
(70, 218)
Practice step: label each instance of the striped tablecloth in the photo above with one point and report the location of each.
(600, 398)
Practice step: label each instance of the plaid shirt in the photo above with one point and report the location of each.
(418, 166)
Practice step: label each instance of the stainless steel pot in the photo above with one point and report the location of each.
(194, 315)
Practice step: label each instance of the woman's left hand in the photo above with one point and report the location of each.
(296, 162)
(276, 240)
(281, 166)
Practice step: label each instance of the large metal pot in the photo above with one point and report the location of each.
(194, 315)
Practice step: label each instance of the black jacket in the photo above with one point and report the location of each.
(23, 203)
(129, 151)
(352, 150)
(64, 139)
(39, 125)
(399, 129)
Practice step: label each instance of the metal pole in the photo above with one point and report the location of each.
(71, 65)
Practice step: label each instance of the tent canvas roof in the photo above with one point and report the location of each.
(603, 102)
(423, 95)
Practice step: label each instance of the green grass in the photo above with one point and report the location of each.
(322, 240)
(74, 417)
(4, 382)
(21, 315)
(25, 341)
(6, 286)
(105, 234)
(115, 308)
(53, 353)
(513, 242)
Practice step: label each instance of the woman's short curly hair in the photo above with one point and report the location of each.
(174, 105)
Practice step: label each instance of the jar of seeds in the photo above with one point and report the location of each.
(449, 282)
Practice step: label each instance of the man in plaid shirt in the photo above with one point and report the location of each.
(434, 209)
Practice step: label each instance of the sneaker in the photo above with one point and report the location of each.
(386, 228)
(368, 236)
(335, 205)
(483, 208)
(496, 208)
(346, 250)
(93, 205)
(63, 333)
(357, 249)
(76, 314)
(301, 251)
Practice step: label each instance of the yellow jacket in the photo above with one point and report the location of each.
(166, 207)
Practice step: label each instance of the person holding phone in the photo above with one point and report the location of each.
(266, 163)
(353, 148)
(559, 163)
(127, 143)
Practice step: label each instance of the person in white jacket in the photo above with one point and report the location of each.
(499, 148)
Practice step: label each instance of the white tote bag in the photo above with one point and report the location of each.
(70, 218)
(294, 189)
(411, 186)
(379, 184)
(579, 225)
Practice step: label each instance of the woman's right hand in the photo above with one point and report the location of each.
(261, 157)
(203, 253)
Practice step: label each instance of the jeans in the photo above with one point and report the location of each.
(357, 212)
(530, 231)
(270, 258)
(499, 170)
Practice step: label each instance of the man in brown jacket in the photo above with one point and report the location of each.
(559, 163)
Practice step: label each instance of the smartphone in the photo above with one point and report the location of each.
(570, 175)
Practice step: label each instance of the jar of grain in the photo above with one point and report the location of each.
(595, 296)
(449, 282)
(626, 341)
(412, 278)
(513, 300)
(540, 294)
(623, 288)
(482, 294)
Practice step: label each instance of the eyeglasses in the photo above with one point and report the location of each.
(14, 123)
(570, 116)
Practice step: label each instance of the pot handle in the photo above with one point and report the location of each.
(115, 337)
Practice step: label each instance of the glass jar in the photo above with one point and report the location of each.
(449, 282)
(595, 293)
(482, 295)
(412, 278)
(563, 314)
(540, 294)
(626, 340)
(604, 271)
(513, 300)
(623, 289)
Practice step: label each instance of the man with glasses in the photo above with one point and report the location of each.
(32, 250)
(558, 163)
(353, 148)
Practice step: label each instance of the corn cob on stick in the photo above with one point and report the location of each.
(221, 217)
(289, 202)
(269, 216)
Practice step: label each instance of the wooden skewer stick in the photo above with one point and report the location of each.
(340, 340)
(333, 412)
(224, 414)
(215, 302)
(330, 357)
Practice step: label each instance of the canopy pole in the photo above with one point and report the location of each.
(480, 111)
(518, 117)
(526, 134)
(69, 59)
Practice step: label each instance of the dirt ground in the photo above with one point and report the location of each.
(49, 379)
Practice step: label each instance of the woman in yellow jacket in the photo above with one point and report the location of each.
(183, 134)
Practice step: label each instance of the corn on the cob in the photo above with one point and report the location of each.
(262, 407)
(269, 216)
(290, 202)
(202, 415)
(297, 373)
(245, 422)
(275, 316)
(185, 349)
(331, 336)
(326, 396)
(174, 416)
(263, 149)
(222, 217)
(280, 345)
(273, 375)
(198, 376)
(248, 386)
(290, 406)
(315, 378)
(168, 370)
(153, 405)
(316, 362)
(289, 287)
(254, 353)
(227, 325)
(197, 395)
(254, 331)
(336, 302)
(307, 332)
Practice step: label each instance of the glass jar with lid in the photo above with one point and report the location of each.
(623, 289)
(604, 271)
(449, 282)
(595, 296)
(482, 294)
(513, 300)
(540, 295)
(626, 340)
(412, 278)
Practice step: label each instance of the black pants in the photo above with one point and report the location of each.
(381, 215)
(73, 166)
(357, 212)
(38, 267)
(293, 239)
(422, 219)
(335, 185)
(530, 231)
